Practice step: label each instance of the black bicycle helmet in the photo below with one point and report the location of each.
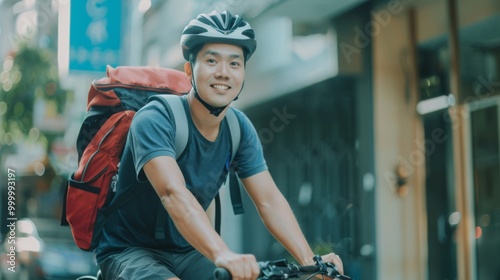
(218, 27)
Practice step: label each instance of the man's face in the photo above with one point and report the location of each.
(219, 72)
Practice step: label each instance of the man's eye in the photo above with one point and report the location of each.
(211, 60)
(235, 63)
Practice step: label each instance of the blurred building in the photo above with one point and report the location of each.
(379, 121)
(34, 23)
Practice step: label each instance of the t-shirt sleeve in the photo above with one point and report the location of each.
(249, 159)
(151, 134)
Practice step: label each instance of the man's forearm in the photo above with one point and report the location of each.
(185, 211)
(282, 224)
(193, 223)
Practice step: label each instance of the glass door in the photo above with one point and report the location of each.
(485, 152)
(440, 197)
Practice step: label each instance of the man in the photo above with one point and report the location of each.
(216, 47)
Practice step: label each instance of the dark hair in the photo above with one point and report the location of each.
(194, 53)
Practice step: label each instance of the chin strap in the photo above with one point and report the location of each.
(213, 110)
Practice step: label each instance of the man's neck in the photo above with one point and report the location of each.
(207, 124)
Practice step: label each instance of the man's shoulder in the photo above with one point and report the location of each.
(156, 107)
(240, 115)
(154, 104)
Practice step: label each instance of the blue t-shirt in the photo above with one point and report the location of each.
(203, 163)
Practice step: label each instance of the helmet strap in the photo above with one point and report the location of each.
(213, 110)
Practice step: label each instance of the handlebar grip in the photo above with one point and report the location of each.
(222, 274)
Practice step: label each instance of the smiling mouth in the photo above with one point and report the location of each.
(220, 87)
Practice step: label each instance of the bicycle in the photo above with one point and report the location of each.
(276, 270)
(282, 269)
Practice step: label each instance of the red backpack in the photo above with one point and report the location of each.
(111, 105)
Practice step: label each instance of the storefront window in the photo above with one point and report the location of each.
(485, 128)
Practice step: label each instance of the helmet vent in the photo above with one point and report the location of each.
(205, 20)
(195, 30)
(249, 33)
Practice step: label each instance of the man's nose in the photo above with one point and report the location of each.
(222, 71)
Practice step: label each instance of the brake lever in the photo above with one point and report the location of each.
(330, 269)
(270, 269)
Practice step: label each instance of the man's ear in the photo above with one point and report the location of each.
(188, 70)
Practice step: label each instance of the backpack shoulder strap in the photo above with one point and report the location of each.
(234, 128)
(234, 182)
(174, 102)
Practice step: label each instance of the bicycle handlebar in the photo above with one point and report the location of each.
(281, 269)
(221, 273)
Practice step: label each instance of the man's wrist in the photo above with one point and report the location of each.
(307, 260)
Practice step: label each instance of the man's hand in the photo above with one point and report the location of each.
(241, 267)
(335, 259)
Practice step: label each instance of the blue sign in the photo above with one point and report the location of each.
(95, 34)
